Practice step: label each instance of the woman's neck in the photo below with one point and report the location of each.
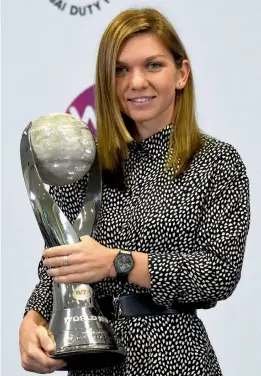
(141, 132)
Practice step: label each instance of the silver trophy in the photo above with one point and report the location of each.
(59, 149)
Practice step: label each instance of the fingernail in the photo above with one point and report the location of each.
(63, 364)
(50, 346)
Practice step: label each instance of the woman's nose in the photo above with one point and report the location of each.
(138, 80)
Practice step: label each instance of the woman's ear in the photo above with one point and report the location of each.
(183, 75)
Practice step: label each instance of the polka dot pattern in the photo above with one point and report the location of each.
(194, 230)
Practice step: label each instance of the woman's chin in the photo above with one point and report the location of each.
(140, 119)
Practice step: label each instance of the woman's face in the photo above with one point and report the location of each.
(146, 81)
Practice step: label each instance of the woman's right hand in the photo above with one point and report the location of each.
(36, 345)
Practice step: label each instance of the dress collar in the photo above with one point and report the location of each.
(158, 141)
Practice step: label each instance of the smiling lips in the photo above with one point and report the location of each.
(141, 100)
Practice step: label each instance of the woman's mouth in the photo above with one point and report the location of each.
(141, 100)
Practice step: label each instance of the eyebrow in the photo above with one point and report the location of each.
(120, 62)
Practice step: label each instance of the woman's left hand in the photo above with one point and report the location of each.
(86, 262)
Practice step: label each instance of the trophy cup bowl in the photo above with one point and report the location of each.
(59, 149)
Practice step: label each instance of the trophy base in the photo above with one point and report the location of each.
(82, 335)
(87, 359)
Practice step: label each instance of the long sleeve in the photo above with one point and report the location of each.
(70, 199)
(211, 270)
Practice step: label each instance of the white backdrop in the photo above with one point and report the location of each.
(48, 60)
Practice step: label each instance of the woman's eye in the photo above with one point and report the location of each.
(120, 70)
(154, 65)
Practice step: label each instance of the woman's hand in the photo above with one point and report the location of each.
(86, 262)
(36, 345)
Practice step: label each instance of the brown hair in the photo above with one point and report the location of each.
(113, 135)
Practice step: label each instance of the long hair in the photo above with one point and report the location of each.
(113, 134)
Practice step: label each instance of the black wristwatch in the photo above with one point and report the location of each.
(123, 264)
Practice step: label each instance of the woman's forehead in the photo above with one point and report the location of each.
(141, 47)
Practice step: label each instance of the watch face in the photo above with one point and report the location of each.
(124, 263)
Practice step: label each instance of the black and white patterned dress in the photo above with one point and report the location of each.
(194, 229)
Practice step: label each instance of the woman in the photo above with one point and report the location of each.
(177, 199)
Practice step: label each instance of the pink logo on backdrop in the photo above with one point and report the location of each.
(83, 107)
